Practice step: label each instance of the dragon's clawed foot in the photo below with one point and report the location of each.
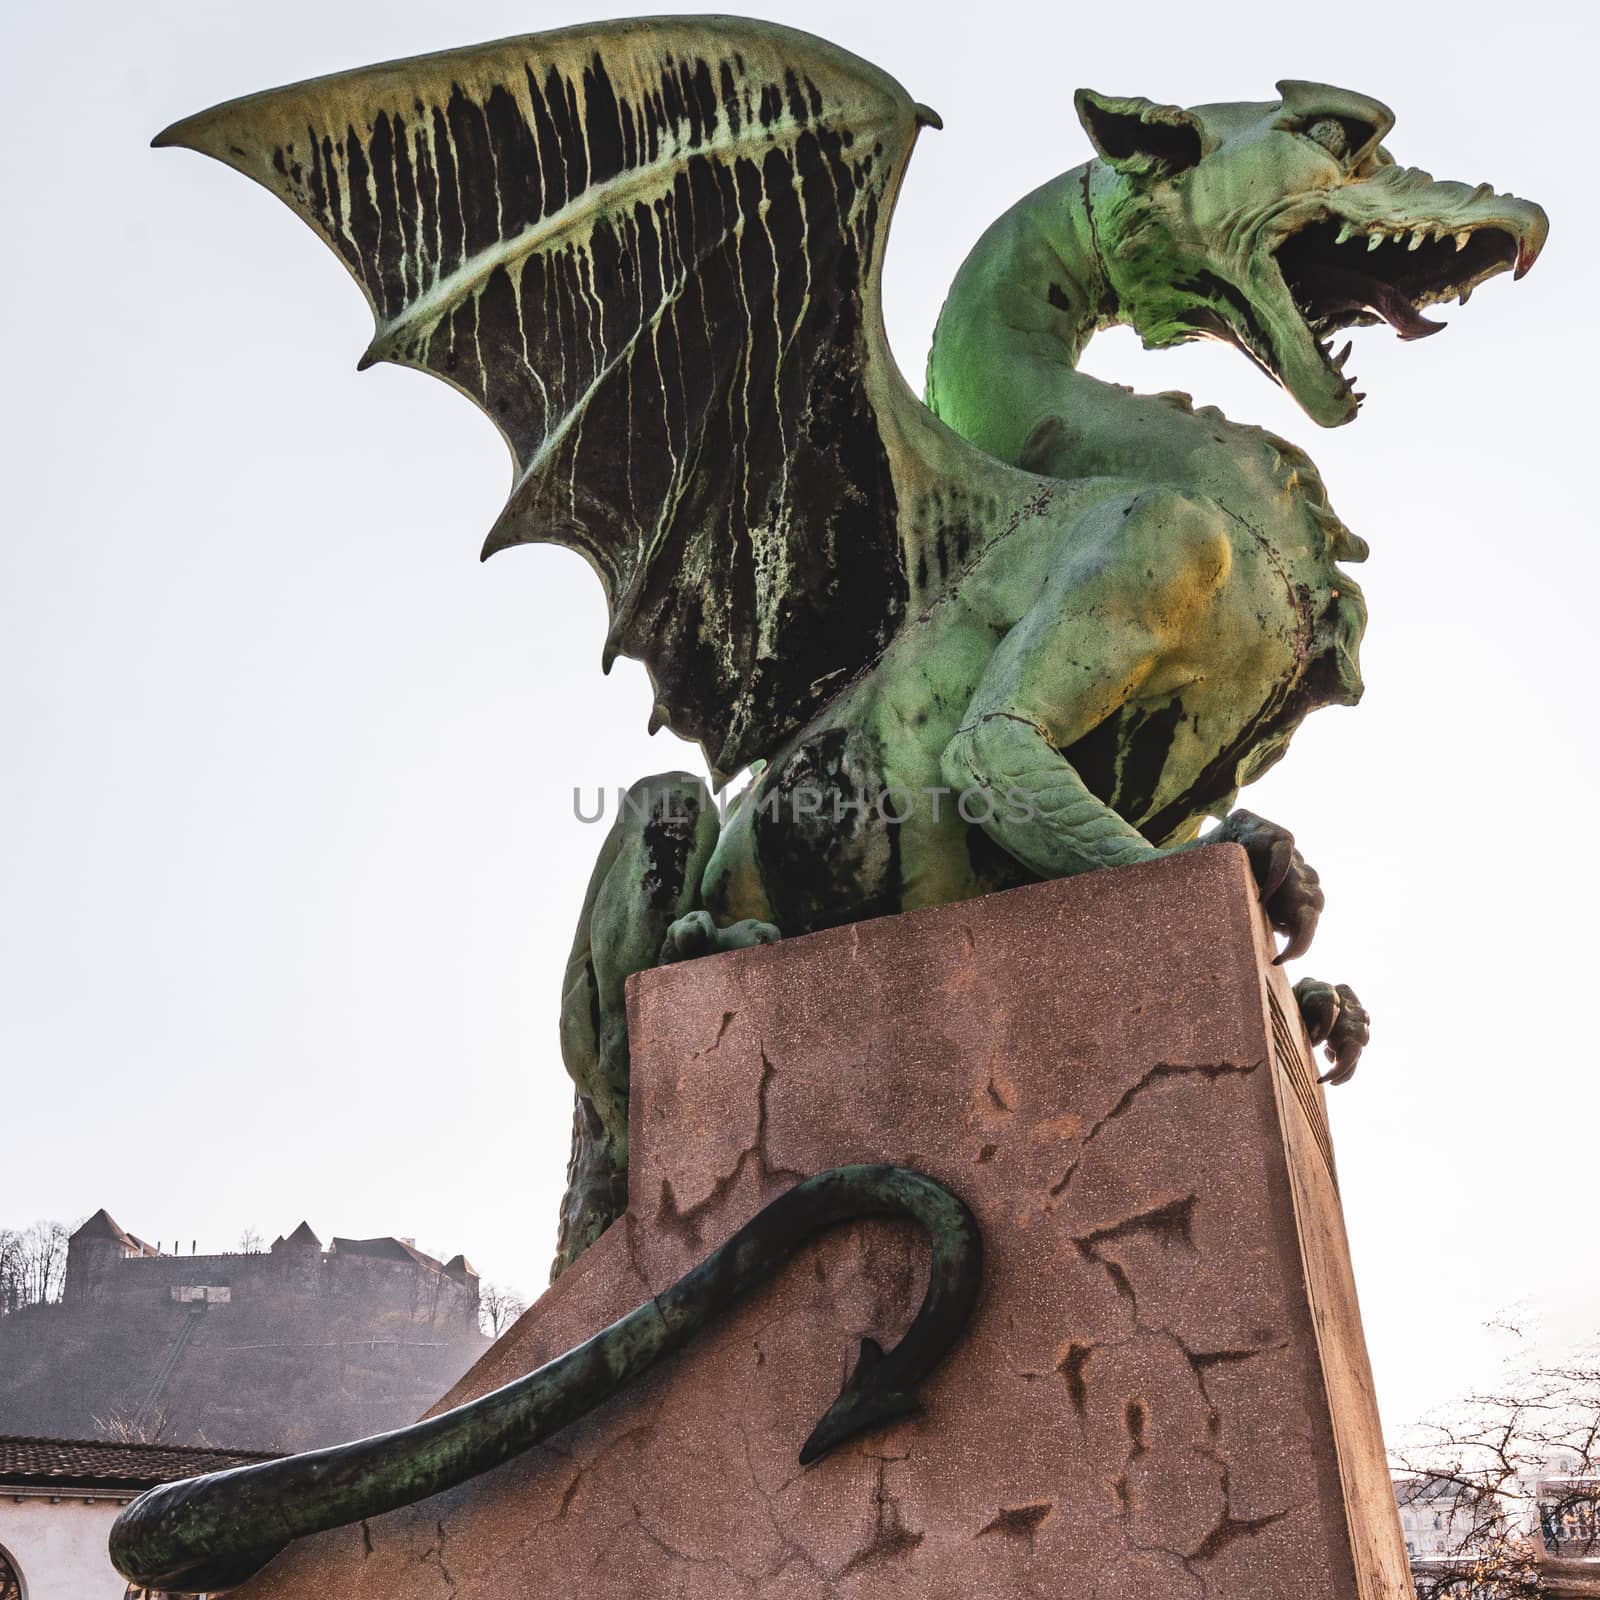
(697, 934)
(1291, 892)
(1335, 1018)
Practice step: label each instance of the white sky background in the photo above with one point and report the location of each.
(290, 865)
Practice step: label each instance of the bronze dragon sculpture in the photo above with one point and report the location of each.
(1036, 626)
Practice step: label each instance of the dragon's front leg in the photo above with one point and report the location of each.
(1100, 634)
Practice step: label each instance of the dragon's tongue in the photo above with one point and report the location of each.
(1339, 289)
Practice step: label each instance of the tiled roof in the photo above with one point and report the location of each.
(102, 1225)
(100, 1464)
(1408, 1491)
(386, 1249)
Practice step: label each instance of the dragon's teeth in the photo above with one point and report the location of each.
(1344, 355)
(1461, 239)
(1466, 295)
(1346, 230)
(1373, 241)
(1416, 240)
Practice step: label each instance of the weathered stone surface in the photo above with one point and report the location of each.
(1164, 1393)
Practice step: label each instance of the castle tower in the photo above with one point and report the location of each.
(93, 1253)
(462, 1272)
(299, 1258)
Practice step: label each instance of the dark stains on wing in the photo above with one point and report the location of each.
(680, 377)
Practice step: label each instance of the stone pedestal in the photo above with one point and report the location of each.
(1164, 1394)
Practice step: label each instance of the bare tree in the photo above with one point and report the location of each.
(33, 1265)
(120, 1427)
(10, 1271)
(250, 1242)
(498, 1307)
(1505, 1482)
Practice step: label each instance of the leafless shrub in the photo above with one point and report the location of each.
(1508, 1474)
(498, 1307)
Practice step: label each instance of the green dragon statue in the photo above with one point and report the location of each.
(1036, 626)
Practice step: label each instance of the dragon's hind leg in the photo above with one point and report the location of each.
(642, 909)
(646, 878)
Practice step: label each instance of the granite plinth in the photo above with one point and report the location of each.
(1164, 1393)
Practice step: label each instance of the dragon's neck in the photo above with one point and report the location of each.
(1026, 301)
(1053, 289)
(1003, 368)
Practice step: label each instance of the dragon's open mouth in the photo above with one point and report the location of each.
(1382, 253)
(1342, 276)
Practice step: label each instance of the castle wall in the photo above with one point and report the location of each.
(294, 1348)
(98, 1273)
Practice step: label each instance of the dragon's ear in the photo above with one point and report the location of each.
(1137, 136)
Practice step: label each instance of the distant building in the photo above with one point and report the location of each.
(1457, 1530)
(109, 1266)
(1567, 1507)
(58, 1499)
(288, 1348)
(1440, 1518)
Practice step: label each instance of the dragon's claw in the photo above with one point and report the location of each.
(1336, 1019)
(1296, 906)
(697, 934)
(1290, 890)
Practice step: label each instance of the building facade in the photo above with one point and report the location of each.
(58, 1499)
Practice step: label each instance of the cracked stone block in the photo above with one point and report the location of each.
(1164, 1393)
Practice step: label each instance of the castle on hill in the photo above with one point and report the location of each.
(108, 1266)
(288, 1348)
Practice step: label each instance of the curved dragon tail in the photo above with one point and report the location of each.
(212, 1532)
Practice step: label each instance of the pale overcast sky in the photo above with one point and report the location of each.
(290, 862)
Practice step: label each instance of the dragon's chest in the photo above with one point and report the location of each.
(1171, 757)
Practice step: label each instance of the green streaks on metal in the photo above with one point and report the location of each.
(212, 1532)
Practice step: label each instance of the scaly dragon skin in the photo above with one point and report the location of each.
(212, 1532)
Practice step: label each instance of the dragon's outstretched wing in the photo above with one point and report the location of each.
(650, 250)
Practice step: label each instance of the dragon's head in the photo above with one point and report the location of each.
(1275, 226)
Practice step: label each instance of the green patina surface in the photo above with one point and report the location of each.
(1036, 626)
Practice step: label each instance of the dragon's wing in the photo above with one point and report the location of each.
(650, 250)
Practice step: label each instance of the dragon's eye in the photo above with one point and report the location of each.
(1346, 139)
(1330, 133)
